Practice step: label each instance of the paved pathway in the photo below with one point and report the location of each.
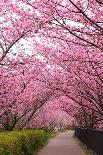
(62, 144)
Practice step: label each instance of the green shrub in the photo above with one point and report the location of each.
(22, 142)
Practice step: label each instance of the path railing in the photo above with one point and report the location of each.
(93, 139)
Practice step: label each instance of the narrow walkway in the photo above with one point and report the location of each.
(62, 144)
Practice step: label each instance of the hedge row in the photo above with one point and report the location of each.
(22, 142)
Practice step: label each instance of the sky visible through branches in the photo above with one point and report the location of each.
(51, 63)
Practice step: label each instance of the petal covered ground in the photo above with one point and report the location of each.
(62, 144)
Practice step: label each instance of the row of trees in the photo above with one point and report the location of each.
(51, 49)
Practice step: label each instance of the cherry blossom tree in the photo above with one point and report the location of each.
(66, 59)
(21, 94)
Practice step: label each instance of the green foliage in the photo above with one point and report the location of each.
(22, 142)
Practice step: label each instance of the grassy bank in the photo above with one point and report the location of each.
(23, 142)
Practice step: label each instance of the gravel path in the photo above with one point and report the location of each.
(62, 144)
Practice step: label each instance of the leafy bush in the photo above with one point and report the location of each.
(22, 142)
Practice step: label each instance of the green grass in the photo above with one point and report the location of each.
(51, 134)
(23, 142)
